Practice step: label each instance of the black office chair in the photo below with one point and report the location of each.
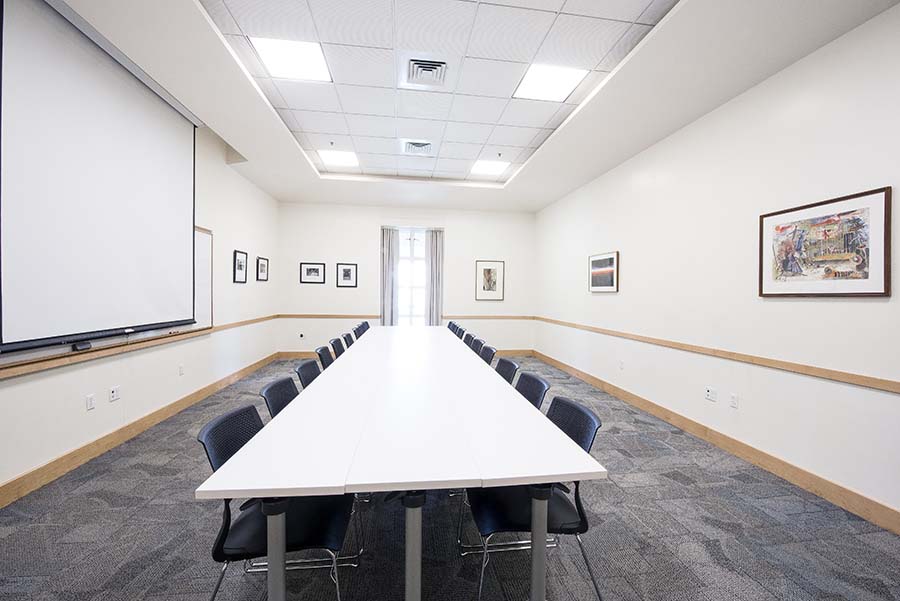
(507, 368)
(278, 394)
(348, 340)
(365, 326)
(467, 339)
(508, 508)
(307, 370)
(460, 332)
(325, 357)
(451, 325)
(532, 387)
(477, 345)
(358, 331)
(487, 353)
(310, 522)
(338, 347)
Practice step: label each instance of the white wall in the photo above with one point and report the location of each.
(44, 414)
(348, 234)
(684, 216)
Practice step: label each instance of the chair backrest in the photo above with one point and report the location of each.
(451, 325)
(348, 340)
(507, 368)
(467, 339)
(224, 436)
(358, 331)
(460, 332)
(338, 347)
(365, 326)
(325, 357)
(532, 387)
(278, 394)
(477, 345)
(487, 353)
(578, 422)
(308, 370)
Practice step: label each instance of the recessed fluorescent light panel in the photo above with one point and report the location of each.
(338, 158)
(286, 59)
(548, 82)
(489, 167)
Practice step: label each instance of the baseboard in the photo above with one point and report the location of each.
(295, 355)
(514, 353)
(854, 502)
(50, 471)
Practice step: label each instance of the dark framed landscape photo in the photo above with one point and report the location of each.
(603, 272)
(262, 269)
(489, 280)
(312, 273)
(239, 267)
(837, 247)
(346, 275)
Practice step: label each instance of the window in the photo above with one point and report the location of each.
(411, 278)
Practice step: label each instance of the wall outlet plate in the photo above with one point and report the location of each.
(734, 400)
(89, 402)
(181, 370)
(711, 394)
(114, 394)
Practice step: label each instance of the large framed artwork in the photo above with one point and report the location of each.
(312, 273)
(838, 247)
(262, 269)
(346, 275)
(603, 272)
(489, 280)
(239, 267)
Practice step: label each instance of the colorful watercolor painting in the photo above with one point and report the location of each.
(834, 246)
(603, 272)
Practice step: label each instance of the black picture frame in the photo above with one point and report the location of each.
(305, 278)
(338, 279)
(262, 262)
(235, 265)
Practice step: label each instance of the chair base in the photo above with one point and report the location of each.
(516, 545)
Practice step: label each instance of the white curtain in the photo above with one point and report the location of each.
(390, 261)
(434, 259)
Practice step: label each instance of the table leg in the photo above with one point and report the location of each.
(276, 538)
(413, 502)
(539, 503)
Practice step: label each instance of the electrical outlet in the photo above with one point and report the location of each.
(621, 366)
(114, 394)
(734, 400)
(711, 394)
(181, 370)
(89, 403)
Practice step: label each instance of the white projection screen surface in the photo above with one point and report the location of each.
(96, 191)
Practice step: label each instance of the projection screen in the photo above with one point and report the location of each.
(96, 191)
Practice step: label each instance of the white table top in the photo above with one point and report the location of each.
(402, 409)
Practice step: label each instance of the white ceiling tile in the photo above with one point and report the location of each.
(440, 26)
(419, 163)
(367, 100)
(500, 153)
(587, 85)
(288, 117)
(279, 19)
(308, 95)
(453, 165)
(476, 133)
(476, 109)
(579, 42)
(505, 135)
(423, 105)
(330, 142)
(512, 34)
(271, 92)
(477, 177)
(323, 123)
(540, 138)
(528, 113)
(305, 144)
(369, 125)
(656, 11)
(482, 77)
(557, 119)
(345, 170)
(420, 129)
(375, 145)
(376, 171)
(357, 22)
(360, 66)
(625, 45)
(218, 12)
(450, 174)
(553, 5)
(377, 161)
(618, 10)
(457, 150)
(246, 55)
(414, 173)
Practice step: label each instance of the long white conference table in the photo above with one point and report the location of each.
(404, 409)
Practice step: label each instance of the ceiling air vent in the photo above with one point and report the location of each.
(417, 148)
(426, 72)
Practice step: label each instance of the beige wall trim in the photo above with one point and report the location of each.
(322, 316)
(205, 230)
(854, 502)
(461, 317)
(38, 477)
(514, 353)
(296, 355)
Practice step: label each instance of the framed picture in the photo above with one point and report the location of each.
(489, 280)
(312, 273)
(838, 247)
(603, 272)
(262, 269)
(346, 275)
(239, 267)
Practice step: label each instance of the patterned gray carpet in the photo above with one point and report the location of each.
(678, 520)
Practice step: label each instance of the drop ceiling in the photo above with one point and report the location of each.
(481, 49)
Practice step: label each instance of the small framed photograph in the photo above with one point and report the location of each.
(837, 247)
(489, 280)
(239, 267)
(603, 272)
(346, 275)
(262, 269)
(312, 273)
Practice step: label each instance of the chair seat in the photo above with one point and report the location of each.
(311, 523)
(508, 509)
